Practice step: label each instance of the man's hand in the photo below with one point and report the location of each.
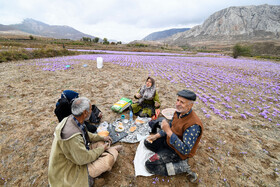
(157, 104)
(108, 139)
(138, 95)
(153, 137)
(106, 146)
(165, 126)
(100, 115)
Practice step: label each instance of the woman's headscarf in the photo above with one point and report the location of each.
(147, 93)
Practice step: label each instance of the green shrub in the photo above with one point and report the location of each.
(96, 40)
(39, 53)
(86, 39)
(269, 57)
(105, 41)
(239, 50)
(76, 43)
(2, 59)
(21, 56)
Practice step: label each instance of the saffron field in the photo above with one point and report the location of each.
(228, 88)
(238, 101)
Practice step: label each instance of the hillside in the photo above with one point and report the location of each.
(6, 28)
(163, 34)
(34, 27)
(245, 23)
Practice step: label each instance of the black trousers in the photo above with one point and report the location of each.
(163, 155)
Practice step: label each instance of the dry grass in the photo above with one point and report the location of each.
(231, 152)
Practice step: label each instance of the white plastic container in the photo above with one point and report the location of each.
(99, 62)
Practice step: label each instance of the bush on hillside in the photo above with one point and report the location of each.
(239, 50)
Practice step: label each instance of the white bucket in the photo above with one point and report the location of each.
(99, 62)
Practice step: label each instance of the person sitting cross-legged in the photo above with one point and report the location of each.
(176, 141)
(77, 156)
(148, 99)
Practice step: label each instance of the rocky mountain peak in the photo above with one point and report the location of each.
(242, 20)
(32, 26)
(245, 22)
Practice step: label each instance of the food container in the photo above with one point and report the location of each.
(119, 127)
(168, 113)
(99, 62)
(103, 133)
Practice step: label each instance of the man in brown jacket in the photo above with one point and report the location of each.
(77, 156)
(177, 141)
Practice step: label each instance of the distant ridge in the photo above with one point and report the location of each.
(163, 34)
(6, 28)
(35, 27)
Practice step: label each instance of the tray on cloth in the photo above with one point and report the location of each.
(130, 136)
(141, 132)
(116, 136)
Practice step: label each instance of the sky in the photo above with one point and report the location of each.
(120, 20)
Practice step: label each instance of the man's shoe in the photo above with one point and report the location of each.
(193, 177)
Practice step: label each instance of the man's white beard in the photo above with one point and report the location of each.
(177, 110)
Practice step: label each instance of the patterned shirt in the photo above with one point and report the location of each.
(189, 137)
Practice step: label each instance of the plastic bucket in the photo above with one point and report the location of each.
(99, 62)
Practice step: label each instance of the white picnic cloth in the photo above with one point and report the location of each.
(141, 156)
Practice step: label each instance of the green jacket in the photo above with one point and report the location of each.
(69, 156)
(136, 107)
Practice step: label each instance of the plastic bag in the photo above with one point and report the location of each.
(121, 105)
(102, 127)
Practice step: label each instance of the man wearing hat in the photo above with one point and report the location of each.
(177, 140)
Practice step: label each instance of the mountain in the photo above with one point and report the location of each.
(6, 28)
(163, 34)
(34, 27)
(7, 31)
(245, 23)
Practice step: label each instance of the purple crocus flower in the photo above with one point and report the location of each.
(243, 116)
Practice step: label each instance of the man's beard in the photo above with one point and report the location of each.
(180, 111)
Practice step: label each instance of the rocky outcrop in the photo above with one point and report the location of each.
(234, 23)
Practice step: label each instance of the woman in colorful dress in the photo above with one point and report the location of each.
(148, 99)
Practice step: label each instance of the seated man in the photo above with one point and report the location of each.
(63, 109)
(177, 141)
(77, 156)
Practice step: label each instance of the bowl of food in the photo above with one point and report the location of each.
(168, 113)
(103, 133)
(119, 127)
